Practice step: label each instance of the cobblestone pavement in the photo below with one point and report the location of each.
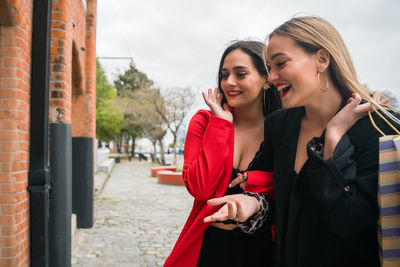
(137, 220)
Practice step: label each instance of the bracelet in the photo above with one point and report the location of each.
(258, 219)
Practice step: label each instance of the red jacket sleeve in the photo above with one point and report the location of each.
(261, 182)
(206, 152)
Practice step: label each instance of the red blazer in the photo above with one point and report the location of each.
(207, 170)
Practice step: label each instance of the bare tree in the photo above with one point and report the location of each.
(173, 108)
(151, 122)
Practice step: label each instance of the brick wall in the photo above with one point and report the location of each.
(15, 52)
(73, 66)
(72, 100)
(90, 69)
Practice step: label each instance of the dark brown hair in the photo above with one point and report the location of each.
(256, 51)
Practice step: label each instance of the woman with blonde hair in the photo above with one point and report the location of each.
(322, 149)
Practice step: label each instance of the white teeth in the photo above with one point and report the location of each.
(233, 93)
(281, 87)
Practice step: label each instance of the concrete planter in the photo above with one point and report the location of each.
(170, 177)
(154, 170)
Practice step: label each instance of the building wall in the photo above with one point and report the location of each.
(15, 52)
(72, 100)
(73, 66)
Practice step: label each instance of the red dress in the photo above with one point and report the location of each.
(207, 169)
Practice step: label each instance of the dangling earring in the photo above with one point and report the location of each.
(265, 105)
(319, 84)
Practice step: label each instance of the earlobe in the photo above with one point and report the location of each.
(323, 59)
(265, 86)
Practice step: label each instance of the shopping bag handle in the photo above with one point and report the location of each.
(383, 118)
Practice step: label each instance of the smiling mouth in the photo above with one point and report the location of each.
(284, 89)
(233, 93)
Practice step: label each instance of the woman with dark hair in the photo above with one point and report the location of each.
(322, 149)
(221, 158)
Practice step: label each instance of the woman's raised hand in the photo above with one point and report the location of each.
(346, 118)
(238, 207)
(213, 100)
(343, 121)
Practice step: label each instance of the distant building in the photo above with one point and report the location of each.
(181, 136)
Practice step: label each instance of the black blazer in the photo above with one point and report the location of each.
(327, 214)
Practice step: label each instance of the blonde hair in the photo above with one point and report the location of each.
(313, 33)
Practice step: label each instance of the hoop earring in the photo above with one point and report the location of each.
(265, 105)
(319, 84)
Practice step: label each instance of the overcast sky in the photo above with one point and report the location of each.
(178, 43)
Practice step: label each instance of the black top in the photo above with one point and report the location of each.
(236, 189)
(255, 164)
(327, 214)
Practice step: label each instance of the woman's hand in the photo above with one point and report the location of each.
(346, 118)
(213, 100)
(237, 207)
(343, 121)
(377, 97)
(240, 179)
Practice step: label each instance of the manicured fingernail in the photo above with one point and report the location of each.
(230, 185)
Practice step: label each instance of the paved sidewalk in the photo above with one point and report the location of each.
(137, 220)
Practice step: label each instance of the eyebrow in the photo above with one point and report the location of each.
(235, 68)
(277, 54)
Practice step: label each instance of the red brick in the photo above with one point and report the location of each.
(12, 62)
(7, 242)
(10, 83)
(10, 146)
(21, 176)
(9, 251)
(20, 217)
(8, 189)
(58, 24)
(7, 220)
(8, 72)
(8, 93)
(10, 52)
(22, 95)
(8, 135)
(8, 261)
(10, 125)
(7, 199)
(58, 16)
(7, 209)
(9, 103)
(20, 187)
(8, 114)
(6, 177)
(7, 156)
(20, 196)
(18, 166)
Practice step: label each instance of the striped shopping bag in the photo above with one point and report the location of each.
(389, 202)
(388, 196)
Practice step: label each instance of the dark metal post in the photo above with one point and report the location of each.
(60, 195)
(38, 179)
(82, 181)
